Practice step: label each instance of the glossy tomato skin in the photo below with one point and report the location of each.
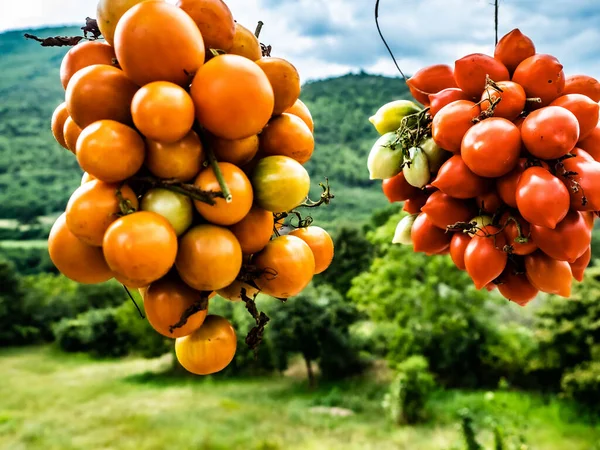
(83, 55)
(507, 184)
(166, 300)
(550, 132)
(578, 266)
(513, 48)
(583, 108)
(108, 13)
(301, 110)
(280, 183)
(288, 266)
(430, 80)
(583, 84)
(512, 101)
(548, 275)
(444, 97)
(73, 258)
(214, 20)
(452, 122)
(59, 117)
(397, 189)
(458, 245)
(568, 241)
(209, 349)
(491, 148)
(209, 257)
(485, 259)
(287, 135)
(443, 210)
(285, 81)
(541, 76)
(581, 183)
(233, 292)
(414, 204)
(470, 73)
(517, 288)
(427, 238)
(254, 231)
(320, 243)
(489, 202)
(542, 198)
(140, 248)
(182, 159)
(175, 207)
(582, 154)
(457, 180)
(245, 44)
(511, 233)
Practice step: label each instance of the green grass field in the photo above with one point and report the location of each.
(49, 400)
(24, 244)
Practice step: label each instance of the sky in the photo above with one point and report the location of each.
(332, 37)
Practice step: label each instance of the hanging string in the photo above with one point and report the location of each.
(496, 19)
(384, 41)
(134, 302)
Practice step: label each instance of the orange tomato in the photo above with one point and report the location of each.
(287, 135)
(182, 159)
(548, 275)
(585, 110)
(288, 265)
(166, 300)
(93, 207)
(430, 80)
(110, 151)
(514, 48)
(583, 84)
(301, 110)
(100, 92)
(254, 231)
(71, 132)
(140, 248)
(209, 349)
(86, 177)
(245, 44)
(223, 213)
(470, 73)
(232, 96)
(238, 152)
(233, 292)
(541, 76)
(108, 14)
(320, 243)
(59, 117)
(285, 81)
(83, 55)
(157, 41)
(73, 258)
(209, 258)
(452, 122)
(214, 20)
(163, 111)
(550, 132)
(512, 101)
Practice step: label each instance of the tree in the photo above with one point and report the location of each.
(316, 324)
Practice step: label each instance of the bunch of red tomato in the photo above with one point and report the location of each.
(515, 198)
(177, 107)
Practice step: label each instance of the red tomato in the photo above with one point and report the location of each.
(490, 202)
(491, 148)
(397, 189)
(580, 264)
(511, 101)
(443, 210)
(507, 185)
(583, 84)
(542, 198)
(550, 132)
(452, 122)
(446, 96)
(458, 245)
(591, 143)
(513, 49)
(548, 275)
(428, 238)
(511, 232)
(582, 154)
(517, 288)
(414, 204)
(541, 76)
(583, 108)
(485, 258)
(568, 241)
(582, 183)
(456, 179)
(470, 73)
(430, 80)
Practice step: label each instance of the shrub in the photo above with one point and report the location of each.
(583, 384)
(407, 398)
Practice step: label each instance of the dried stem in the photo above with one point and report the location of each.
(217, 170)
(200, 305)
(255, 335)
(90, 27)
(125, 205)
(175, 185)
(258, 29)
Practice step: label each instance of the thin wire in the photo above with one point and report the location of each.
(496, 19)
(133, 300)
(384, 41)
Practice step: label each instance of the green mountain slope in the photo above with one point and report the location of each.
(37, 175)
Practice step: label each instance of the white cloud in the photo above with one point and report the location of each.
(332, 37)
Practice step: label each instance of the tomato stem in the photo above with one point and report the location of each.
(255, 335)
(258, 29)
(174, 185)
(200, 305)
(91, 26)
(125, 206)
(217, 170)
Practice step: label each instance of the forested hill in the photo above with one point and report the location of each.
(37, 175)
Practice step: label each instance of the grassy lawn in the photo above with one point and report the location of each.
(25, 244)
(52, 401)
